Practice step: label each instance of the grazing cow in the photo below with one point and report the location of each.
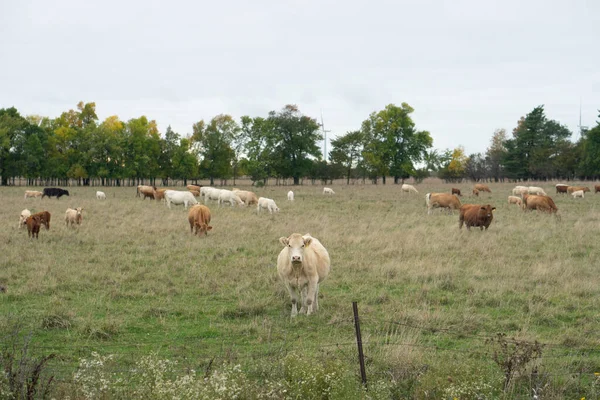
(596, 188)
(33, 226)
(32, 193)
(328, 191)
(267, 204)
(408, 188)
(178, 197)
(291, 196)
(540, 203)
(442, 200)
(572, 189)
(480, 215)
(578, 194)
(475, 192)
(23, 217)
(194, 187)
(247, 197)
(227, 196)
(456, 192)
(58, 192)
(515, 200)
(211, 194)
(561, 188)
(302, 265)
(74, 216)
(159, 194)
(196, 193)
(482, 188)
(44, 217)
(100, 195)
(199, 218)
(536, 190)
(146, 191)
(520, 190)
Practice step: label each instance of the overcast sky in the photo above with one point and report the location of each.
(466, 67)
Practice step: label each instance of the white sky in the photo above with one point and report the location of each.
(466, 67)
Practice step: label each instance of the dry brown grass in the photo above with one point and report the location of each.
(133, 275)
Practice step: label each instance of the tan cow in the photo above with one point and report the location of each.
(199, 219)
(475, 192)
(196, 193)
(194, 187)
(147, 191)
(159, 194)
(482, 188)
(572, 189)
(302, 265)
(442, 200)
(515, 200)
(23, 217)
(408, 188)
(247, 197)
(33, 193)
(540, 203)
(74, 216)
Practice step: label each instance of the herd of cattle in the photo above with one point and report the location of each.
(304, 262)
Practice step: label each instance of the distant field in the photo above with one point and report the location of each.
(132, 279)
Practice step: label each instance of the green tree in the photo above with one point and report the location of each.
(258, 148)
(347, 151)
(12, 124)
(213, 143)
(393, 144)
(496, 153)
(293, 138)
(589, 165)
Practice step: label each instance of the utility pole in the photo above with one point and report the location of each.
(324, 138)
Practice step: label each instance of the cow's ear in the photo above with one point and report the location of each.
(208, 228)
(493, 208)
(307, 241)
(483, 208)
(284, 241)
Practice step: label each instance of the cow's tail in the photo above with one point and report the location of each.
(427, 199)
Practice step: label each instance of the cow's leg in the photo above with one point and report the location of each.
(312, 288)
(294, 298)
(303, 298)
(317, 298)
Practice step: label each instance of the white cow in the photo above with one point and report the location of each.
(74, 216)
(536, 190)
(100, 195)
(302, 265)
(291, 196)
(204, 190)
(328, 191)
(227, 196)
(578, 194)
(520, 190)
(408, 188)
(212, 194)
(179, 197)
(267, 204)
(23, 217)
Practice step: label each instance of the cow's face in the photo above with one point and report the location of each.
(67, 193)
(296, 245)
(486, 211)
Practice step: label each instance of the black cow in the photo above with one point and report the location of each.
(51, 192)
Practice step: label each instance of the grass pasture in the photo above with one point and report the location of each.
(133, 280)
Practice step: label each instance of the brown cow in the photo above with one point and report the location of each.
(482, 188)
(475, 192)
(194, 187)
(476, 215)
(456, 192)
(596, 188)
(572, 189)
(33, 226)
(44, 217)
(541, 203)
(561, 188)
(442, 200)
(159, 194)
(199, 218)
(196, 193)
(147, 191)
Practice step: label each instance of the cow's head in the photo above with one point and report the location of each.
(67, 193)
(296, 244)
(486, 211)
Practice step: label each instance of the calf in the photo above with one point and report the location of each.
(578, 194)
(23, 217)
(475, 192)
(456, 192)
(515, 200)
(44, 217)
(290, 196)
(267, 204)
(482, 188)
(408, 188)
(32, 193)
(100, 195)
(33, 226)
(476, 215)
(74, 216)
(328, 191)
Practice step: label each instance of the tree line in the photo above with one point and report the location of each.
(283, 145)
